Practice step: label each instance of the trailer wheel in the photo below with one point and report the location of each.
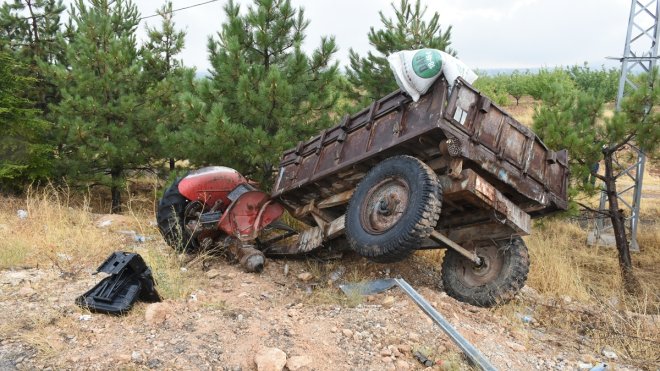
(502, 274)
(170, 217)
(393, 209)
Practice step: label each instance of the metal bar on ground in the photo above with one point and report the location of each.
(381, 285)
(470, 351)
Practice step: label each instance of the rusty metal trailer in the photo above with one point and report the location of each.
(452, 170)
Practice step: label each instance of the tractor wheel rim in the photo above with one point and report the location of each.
(384, 205)
(478, 275)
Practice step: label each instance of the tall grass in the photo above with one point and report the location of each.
(61, 232)
(555, 270)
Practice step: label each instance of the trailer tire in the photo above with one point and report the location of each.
(393, 209)
(170, 220)
(504, 273)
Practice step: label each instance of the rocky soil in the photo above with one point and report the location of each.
(291, 316)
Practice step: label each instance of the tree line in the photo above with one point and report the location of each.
(83, 101)
(602, 83)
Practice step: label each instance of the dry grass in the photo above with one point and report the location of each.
(54, 233)
(563, 265)
(555, 266)
(63, 233)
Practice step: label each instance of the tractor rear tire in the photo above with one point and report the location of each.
(496, 281)
(170, 218)
(393, 209)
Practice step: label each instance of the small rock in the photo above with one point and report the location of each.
(85, 317)
(609, 353)
(125, 358)
(298, 362)
(567, 299)
(413, 336)
(441, 349)
(292, 313)
(387, 359)
(588, 358)
(154, 363)
(402, 365)
(305, 276)
(388, 301)
(584, 366)
(385, 352)
(404, 348)
(337, 273)
(333, 329)
(213, 273)
(348, 333)
(136, 357)
(22, 214)
(515, 346)
(229, 275)
(270, 359)
(26, 291)
(599, 367)
(157, 313)
(286, 269)
(530, 292)
(104, 223)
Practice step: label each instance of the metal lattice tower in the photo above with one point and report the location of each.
(639, 55)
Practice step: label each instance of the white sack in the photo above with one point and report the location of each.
(416, 70)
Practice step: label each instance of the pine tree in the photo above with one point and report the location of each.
(23, 156)
(31, 29)
(574, 120)
(371, 75)
(103, 109)
(265, 94)
(167, 78)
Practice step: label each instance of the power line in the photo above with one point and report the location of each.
(141, 18)
(176, 10)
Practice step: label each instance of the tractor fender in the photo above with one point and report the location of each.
(249, 214)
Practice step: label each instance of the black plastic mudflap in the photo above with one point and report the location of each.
(130, 280)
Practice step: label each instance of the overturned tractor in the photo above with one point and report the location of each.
(450, 171)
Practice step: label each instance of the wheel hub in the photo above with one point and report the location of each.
(384, 205)
(489, 269)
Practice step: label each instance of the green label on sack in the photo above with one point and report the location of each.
(427, 63)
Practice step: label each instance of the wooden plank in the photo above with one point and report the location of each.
(335, 228)
(338, 199)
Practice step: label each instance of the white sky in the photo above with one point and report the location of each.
(487, 34)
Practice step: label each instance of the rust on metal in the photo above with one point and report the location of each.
(440, 238)
(487, 139)
(384, 204)
(487, 270)
(495, 173)
(489, 209)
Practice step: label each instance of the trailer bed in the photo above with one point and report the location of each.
(464, 130)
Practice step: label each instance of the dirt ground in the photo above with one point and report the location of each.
(231, 315)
